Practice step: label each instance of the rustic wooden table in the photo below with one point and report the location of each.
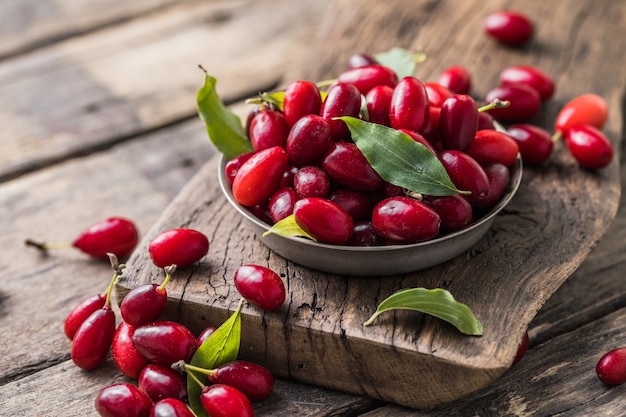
(97, 107)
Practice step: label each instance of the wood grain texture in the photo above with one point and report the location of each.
(104, 87)
(505, 278)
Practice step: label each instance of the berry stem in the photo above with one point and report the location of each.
(195, 378)
(207, 372)
(557, 136)
(117, 271)
(44, 247)
(169, 271)
(496, 103)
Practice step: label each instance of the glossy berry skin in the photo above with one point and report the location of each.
(485, 121)
(357, 204)
(143, 304)
(180, 247)
(126, 357)
(254, 380)
(341, 100)
(282, 202)
(260, 176)
(458, 122)
(492, 146)
(171, 407)
(308, 140)
(499, 177)
(164, 342)
(404, 220)
(589, 146)
(361, 60)
(409, 105)
(437, 93)
(367, 77)
(232, 166)
(93, 339)
(221, 400)
(122, 399)
(204, 335)
(419, 139)
(301, 99)
(81, 312)
(364, 235)
(326, 221)
(531, 76)
(346, 165)
(466, 174)
(378, 101)
(508, 27)
(453, 210)
(115, 235)
(260, 286)
(586, 109)
(524, 102)
(268, 129)
(311, 181)
(535, 144)
(611, 368)
(457, 79)
(160, 381)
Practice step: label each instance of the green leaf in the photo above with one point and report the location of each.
(400, 60)
(400, 160)
(277, 98)
(221, 347)
(288, 227)
(437, 302)
(223, 126)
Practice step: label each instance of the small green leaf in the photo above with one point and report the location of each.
(400, 160)
(400, 60)
(223, 126)
(288, 227)
(221, 347)
(277, 98)
(437, 302)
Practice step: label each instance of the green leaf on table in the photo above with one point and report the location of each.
(221, 347)
(400, 160)
(402, 61)
(223, 126)
(288, 227)
(436, 302)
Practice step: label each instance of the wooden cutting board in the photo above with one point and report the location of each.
(558, 215)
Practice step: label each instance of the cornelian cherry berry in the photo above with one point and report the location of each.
(531, 76)
(378, 101)
(164, 342)
(492, 146)
(254, 380)
(93, 339)
(268, 129)
(180, 247)
(498, 176)
(409, 105)
(437, 93)
(524, 101)
(204, 335)
(81, 312)
(282, 202)
(509, 27)
(221, 400)
(311, 181)
(346, 165)
(586, 109)
(405, 220)
(342, 99)
(122, 399)
(324, 220)
(160, 381)
(466, 174)
(126, 357)
(232, 166)
(301, 99)
(611, 368)
(171, 407)
(145, 303)
(361, 60)
(589, 146)
(535, 144)
(259, 177)
(308, 139)
(457, 79)
(453, 210)
(365, 78)
(458, 122)
(260, 286)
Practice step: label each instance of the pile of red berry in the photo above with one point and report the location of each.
(155, 352)
(305, 162)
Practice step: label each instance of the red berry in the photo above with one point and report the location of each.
(93, 339)
(589, 146)
(535, 144)
(611, 368)
(324, 220)
(457, 79)
(221, 400)
(364, 235)
(361, 60)
(419, 139)
(524, 102)
(508, 27)
(405, 220)
(115, 235)
(378, 101)
(437, 93)
(122, 399)
(232, 166)
(587, 109)
(311, 181)
(499, 177)
(260, 286)
(367, 77)
(466, 174)
(160, 381)
(347, 166)
(458, 122)
(171, 407)
(254, 380)
(282, 202)
(308, 140)
(341, 100)
(81, 312)
(301, 99)
(492, 146)
(180, 247)
(260, 176)
(204, 335)
(409, 105)
(268, 129)
(164, 342)
(357, 204)
(453, 210)
(531, 76)
(143, 304)
(126, 357)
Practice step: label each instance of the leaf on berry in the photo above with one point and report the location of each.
(288, 227)
(401, 61)
(223, 126)
(221, 347)
(400, 160)
(436, 302)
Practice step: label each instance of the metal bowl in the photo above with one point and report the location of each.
(373, 260)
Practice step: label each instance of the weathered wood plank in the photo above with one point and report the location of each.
(517, 268)
(108, 85)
